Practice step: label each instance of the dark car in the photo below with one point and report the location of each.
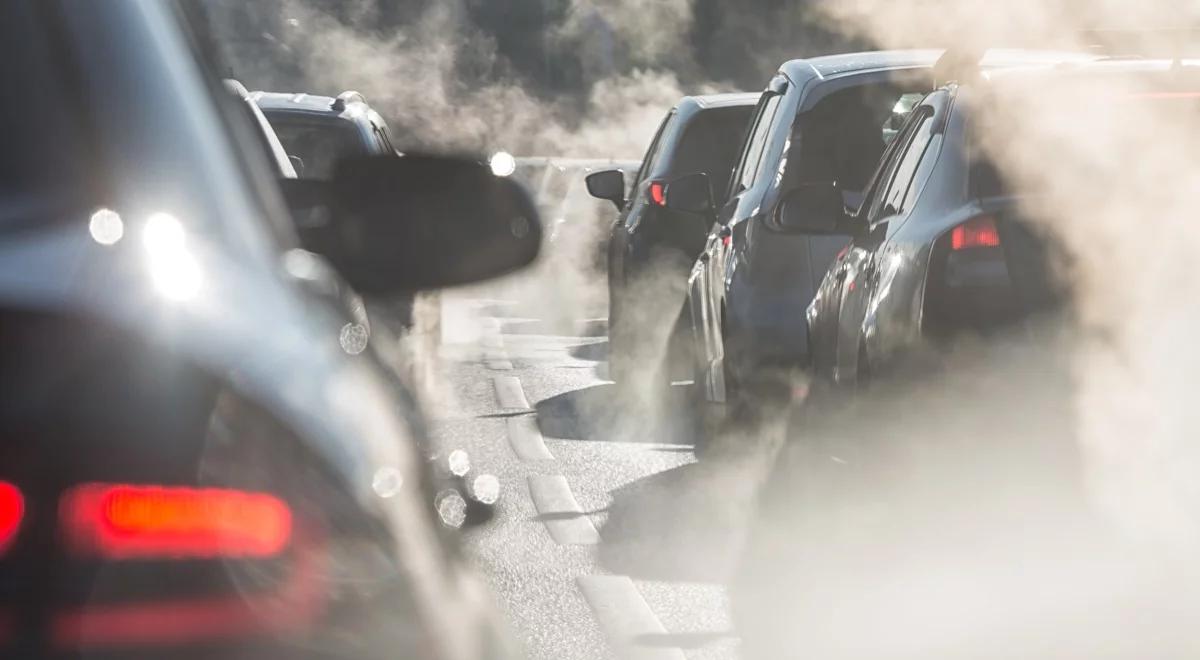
(820, 119)
(651, 246)
(318, 130)
(827, 117)
(199, 461)
(315, 132)
(939, 247)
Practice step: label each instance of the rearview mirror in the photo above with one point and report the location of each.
(690, 193)
(416, 222)
(812, 208)
(607, 184)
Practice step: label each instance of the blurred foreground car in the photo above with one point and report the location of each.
(202, 458)
(651, 247)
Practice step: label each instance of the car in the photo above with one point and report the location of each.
(823, 118)
(651, 247)
(315, 132)
(939, 247)
(199, 460)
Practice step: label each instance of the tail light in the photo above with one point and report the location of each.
(978, 232)
(12, 510)
(658, 193)
(123, 522)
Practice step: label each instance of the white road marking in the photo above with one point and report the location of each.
(624, 617)
(509, 393)
(561, 513)
(526, 439)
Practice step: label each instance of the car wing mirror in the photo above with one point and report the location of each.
(812, 208)
(607, 184)
(417, 222)
(690, 193)
(297, 164)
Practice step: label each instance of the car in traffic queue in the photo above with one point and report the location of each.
(820, 119)
(651, 247)
(198, 461)
(940, 247)
(318, 130)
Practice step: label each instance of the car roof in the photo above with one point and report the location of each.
(830, 66)
(344, 105)
(726, 100)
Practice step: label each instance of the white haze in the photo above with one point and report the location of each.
(1021, 504)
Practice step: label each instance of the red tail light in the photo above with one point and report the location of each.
(977, 232)
(658, 193)
(12, 510)
(122, 522)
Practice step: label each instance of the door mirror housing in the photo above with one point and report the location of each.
(812, 208)
(394, 224)
(690, 193)
(607, 184)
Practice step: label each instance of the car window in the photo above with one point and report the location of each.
(878, 186)
(710, 144)
(34, 168)
(906, 168)
(756, 143)
(654, 153)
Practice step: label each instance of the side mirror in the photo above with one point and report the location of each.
(297, 164)
(690, 193)
(416, 222)
(607, 184)
(812, 208)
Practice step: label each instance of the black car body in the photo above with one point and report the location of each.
(821, 119)
(198, 460)
(825, 117)
(651, 247)
(940, 247)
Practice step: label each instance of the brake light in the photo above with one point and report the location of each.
(125, 521)
(979, 232)
(12, 510)
(658, 193)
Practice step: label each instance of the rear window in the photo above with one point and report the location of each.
(710, 144)
(318, 143)
(41, 153)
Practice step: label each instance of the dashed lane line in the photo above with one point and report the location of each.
(509, 393)
(561, 513)
(526, 439)
(625, 618)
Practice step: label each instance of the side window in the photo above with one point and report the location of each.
(906, 169)
(878, 187)
(654, 152)
(756, 143)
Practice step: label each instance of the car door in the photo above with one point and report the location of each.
(708, 274)
(825, 309)
(860, 269)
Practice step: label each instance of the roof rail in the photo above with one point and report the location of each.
(346, 98)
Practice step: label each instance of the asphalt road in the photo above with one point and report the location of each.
(610, 540)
